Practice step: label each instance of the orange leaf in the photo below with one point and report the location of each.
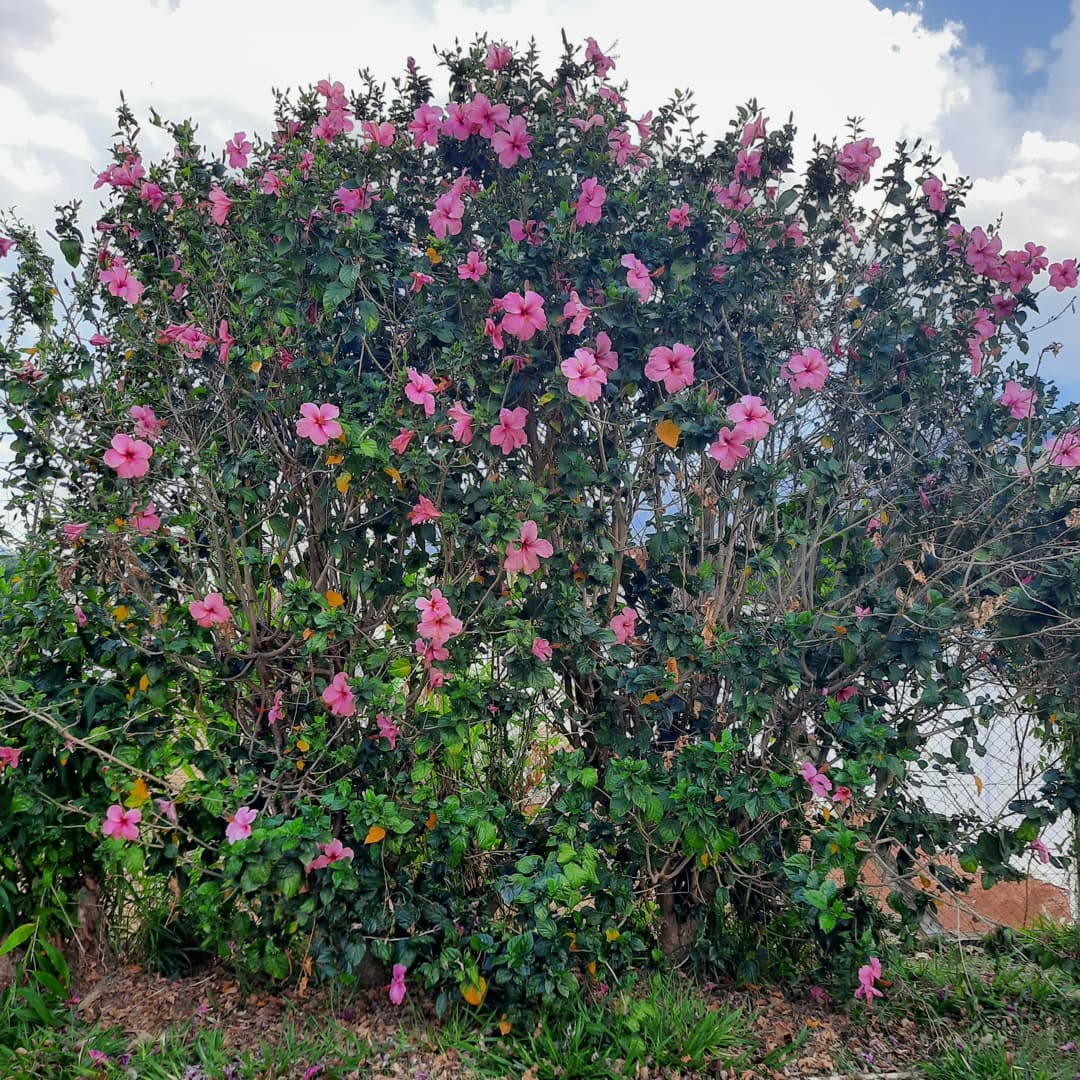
(395, 476)
(474, 995)
(667, 431)
(673, 666)
(979, 785)
(374, 834)
(504, 1025)
(650, 698)
(434, 256)
(140, 794)
(308, 634)
(334, 599)
(432, 819)
(334, 459)
(591, 966)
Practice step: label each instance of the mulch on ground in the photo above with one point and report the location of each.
(147, 1006)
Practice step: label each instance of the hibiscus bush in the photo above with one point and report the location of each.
(510, 542)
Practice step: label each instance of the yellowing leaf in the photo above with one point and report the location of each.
(140, 794)
(979, 784)
(256, 366)
(826, 442)
(434, 256)
(667, 431)
(131, 692)
(121, 612)
(395, 476)
(300, 765)
(333, 598)
(334, 459)
(375, 834)
(144, 683)
(650, 698)
(611, 935)
(308, 634)
(546, 399)
(474, 995)
(672, 667)
(303, 745)
(342, 483)
(924, 881)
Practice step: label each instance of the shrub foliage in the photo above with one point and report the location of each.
(515, 541)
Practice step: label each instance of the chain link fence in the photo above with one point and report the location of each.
(1011, 767)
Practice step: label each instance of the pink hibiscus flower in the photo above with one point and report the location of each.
(121, 823)
(239, 824)
(637, 276)
(129, 457)
(424, 511)
(806, 370)
(509, 433)
(586, 377)
(318, 423)
(523, 315)
(541, 649)
(388, 730)
(397, 984)
(622, 625)
(590, 201)
(462, 430)
(729, 449)
(338, 696)
(210, 612)
(819, 783)
(331, 853)
(512, 144)
(1019, 402)
(750, 416)
(420, 390)
(673, 367)
(437, 622)
(525, 557)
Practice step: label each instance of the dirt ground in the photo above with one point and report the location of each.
(146, 1006)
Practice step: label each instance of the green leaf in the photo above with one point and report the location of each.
(71, 249)
(17, 937)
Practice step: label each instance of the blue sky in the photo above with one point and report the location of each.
(1016, 38)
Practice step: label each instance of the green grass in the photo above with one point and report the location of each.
(995, 1014)
(189, 1053)
(664, 1024)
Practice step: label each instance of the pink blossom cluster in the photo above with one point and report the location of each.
(124, 174)
(507, 134)
(855, 161)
